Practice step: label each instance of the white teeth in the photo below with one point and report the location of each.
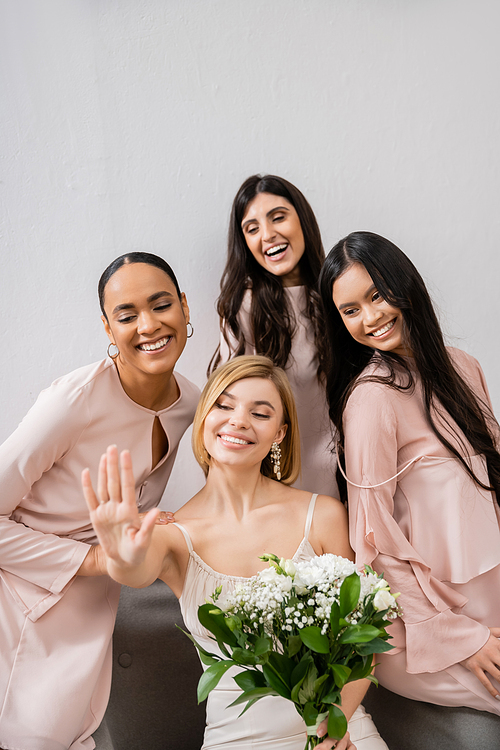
(230, 439)
(384, 329)
(276, 249)
(152, 347)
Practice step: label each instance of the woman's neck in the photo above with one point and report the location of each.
(234, 490)
(154, 392)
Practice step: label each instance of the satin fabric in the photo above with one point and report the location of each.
(431, 530)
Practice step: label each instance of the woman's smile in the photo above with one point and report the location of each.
(384, 329)
(233, 440)
(146, 320)
(370, 320)
(153, 347)
(273, 234)
(243, 423)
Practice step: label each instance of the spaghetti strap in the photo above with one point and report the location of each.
(186, 536)
(373, 486)
(309, 517)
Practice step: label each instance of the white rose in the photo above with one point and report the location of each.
(310, 575)
(268, 575)
(383, 599)
(289, 567)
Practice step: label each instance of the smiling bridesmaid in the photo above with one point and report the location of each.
(57, 619)
(422, 474)
(269, 305)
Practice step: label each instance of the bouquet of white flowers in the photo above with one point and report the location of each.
(302, 631)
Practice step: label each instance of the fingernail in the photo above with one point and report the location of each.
(497, 696)
(162, 521)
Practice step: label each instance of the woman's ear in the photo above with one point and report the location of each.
(107, 328)
(281, 433)
(185, 306)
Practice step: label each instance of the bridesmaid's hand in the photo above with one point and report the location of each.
(343, 744)
(487, 661)
(164, 517)
(113, 512)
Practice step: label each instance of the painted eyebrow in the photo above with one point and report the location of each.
(353, 304)
(130, 306)
(276, 208)
(255, 403)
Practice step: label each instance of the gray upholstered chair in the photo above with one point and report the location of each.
(412, 725)
(155, 673)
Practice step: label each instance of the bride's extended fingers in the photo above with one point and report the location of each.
(127, 478)
(102, 481)
(113, 474)
(88, 490)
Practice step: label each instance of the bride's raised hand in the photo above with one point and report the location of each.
(113, 511)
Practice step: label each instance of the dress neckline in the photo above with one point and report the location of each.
(208, 569)
(226, 576)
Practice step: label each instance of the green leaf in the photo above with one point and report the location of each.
(298, 675)
(233, 623)
(372, 679)
(242, 656)
(207, 659)
(276, 681)
(337, 723)
(361, 669)
(294, 645)
(377, 646)
(250, 679)
(349, 594)
(332, 697)
(253, 695)
(310, 714)
(340, 674)
(205, 656)
(299, 672)
(319, 682)
(313, 638)
(334, 619)
(306, 692)
(216, 625)
(211, 677)
(359, 634)
(262, 646)
(283, 665)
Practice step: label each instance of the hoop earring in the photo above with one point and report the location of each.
(113, 356)
(276, 459)
(192, 329)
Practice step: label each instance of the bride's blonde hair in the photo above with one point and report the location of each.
(240, 368)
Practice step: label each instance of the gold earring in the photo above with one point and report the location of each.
(276, 459)
(113, 356)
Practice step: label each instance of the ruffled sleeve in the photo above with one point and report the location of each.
(437, 635)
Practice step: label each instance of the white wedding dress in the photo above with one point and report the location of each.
(271, 723)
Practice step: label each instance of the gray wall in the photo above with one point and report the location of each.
(130, 124)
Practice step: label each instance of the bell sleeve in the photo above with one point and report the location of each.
(37, 567)
(437, 635)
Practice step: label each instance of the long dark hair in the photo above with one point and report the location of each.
(134, 257)
(398, 281)
(272, 321)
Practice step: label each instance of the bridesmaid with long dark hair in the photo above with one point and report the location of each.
(269, 305)
(418, 448)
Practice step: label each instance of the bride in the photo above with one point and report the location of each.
(245, 417)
